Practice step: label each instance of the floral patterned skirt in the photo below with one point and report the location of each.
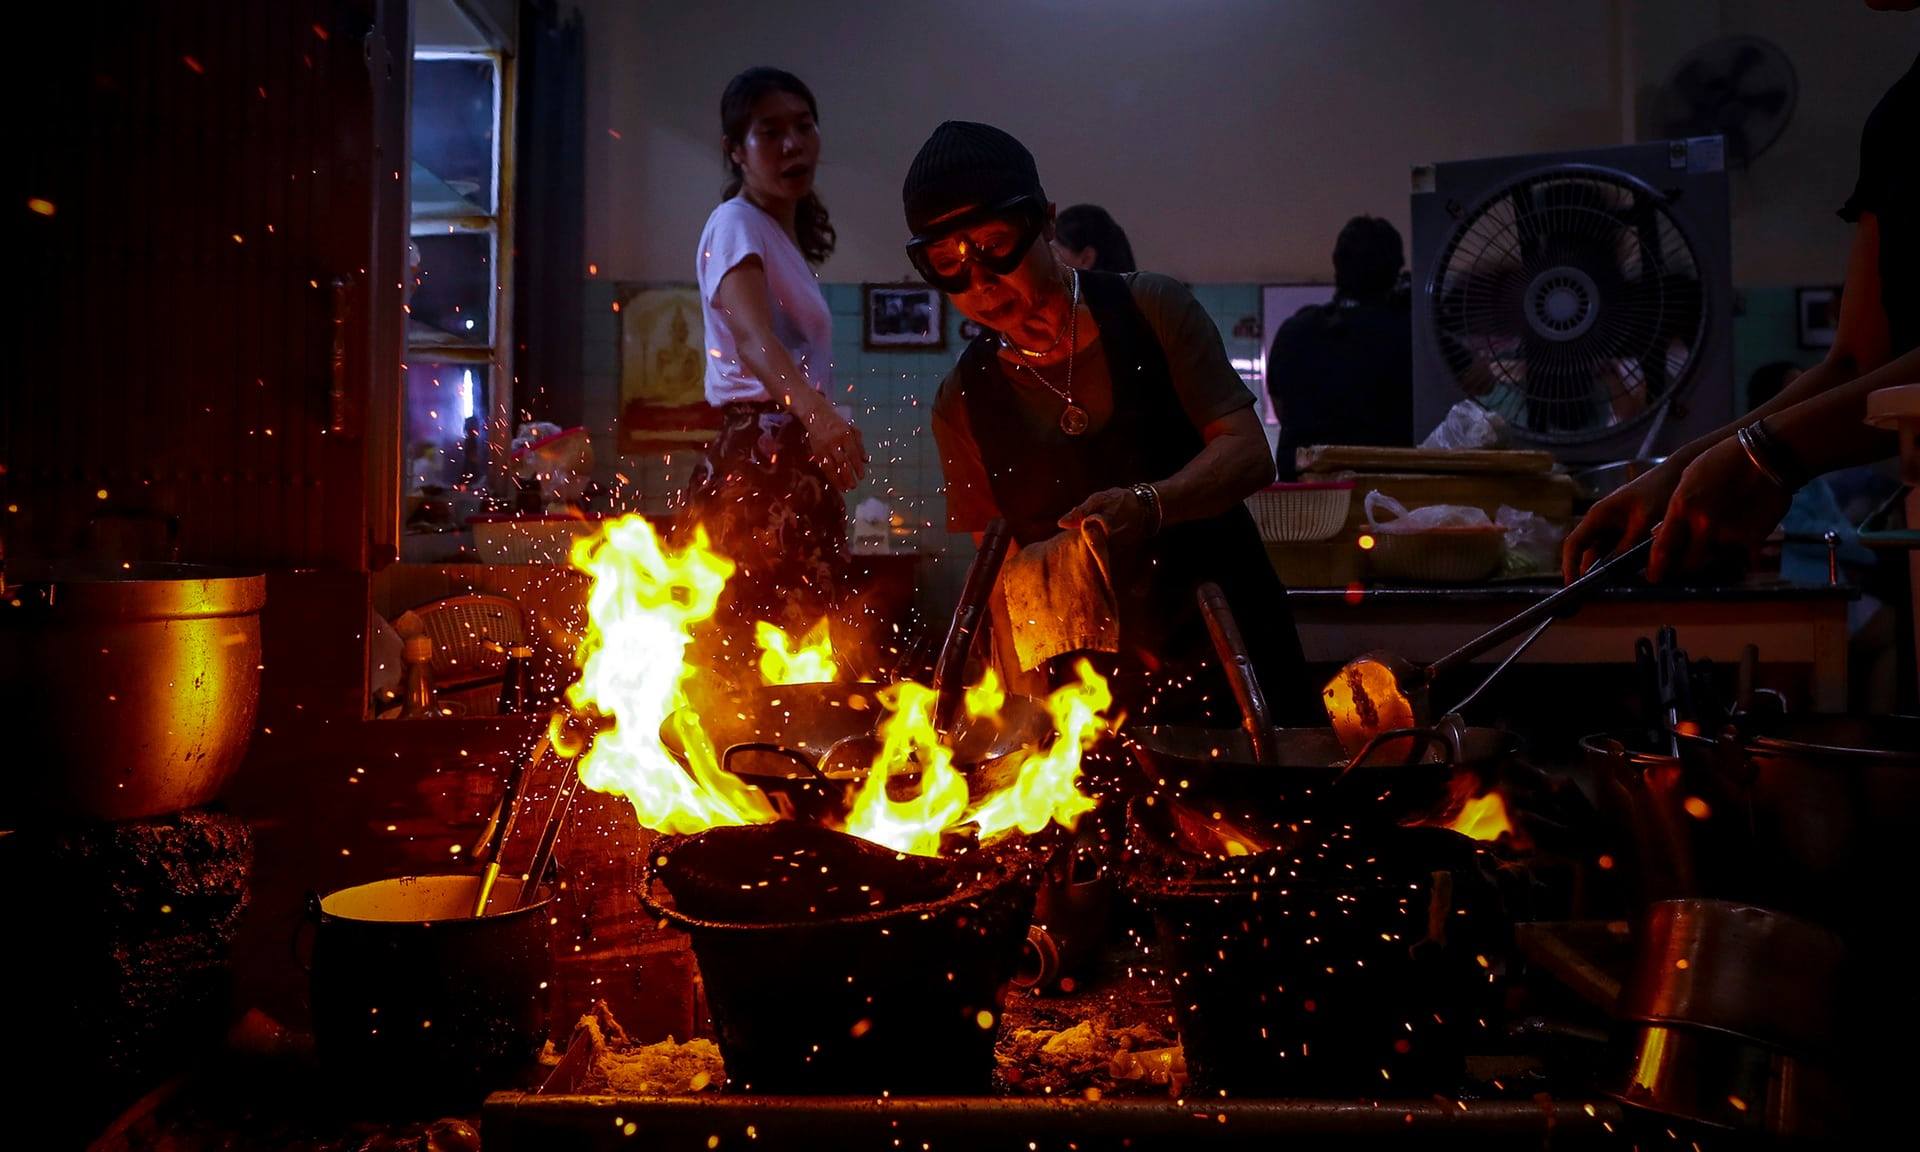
(768, 508)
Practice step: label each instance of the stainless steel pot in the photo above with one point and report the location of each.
(1829, 805)
(137, 686)
(1749, 972)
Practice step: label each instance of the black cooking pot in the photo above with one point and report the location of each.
(418, 1007)
(852, 971)
(1355, 962)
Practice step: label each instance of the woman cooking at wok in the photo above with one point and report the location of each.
(1103, 402)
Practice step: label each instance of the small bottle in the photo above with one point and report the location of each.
(418, 653)
(513, 682)
(473, 466)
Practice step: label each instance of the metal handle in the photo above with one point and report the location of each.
(951, 668)
(1560, 603)
(500, 825)
(549, 836)
(1231, 647)
(809, 771)
(1422, 739)
(342, 419)
(1502, 666)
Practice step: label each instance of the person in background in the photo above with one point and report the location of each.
(1726, 490)
(1086, 237)
(1342, 372)
(1097, 396)
(768, 489)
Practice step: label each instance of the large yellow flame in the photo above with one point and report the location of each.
(1046, 790)
(782, 662)
(1483, 817)
(644, 601)
(909, 744)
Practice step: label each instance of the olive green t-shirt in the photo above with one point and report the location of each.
(1203, 376)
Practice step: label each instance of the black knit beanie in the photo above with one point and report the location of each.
(965, 164)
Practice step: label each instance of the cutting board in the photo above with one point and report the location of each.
(1346, 458)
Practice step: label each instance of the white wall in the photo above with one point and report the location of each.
(1230, 137)
(1846, 57)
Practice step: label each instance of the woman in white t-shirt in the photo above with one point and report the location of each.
(768, 490)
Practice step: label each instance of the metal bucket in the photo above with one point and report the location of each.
(137, 685)
(1295, 975)
(903, 999)
(417, 1005)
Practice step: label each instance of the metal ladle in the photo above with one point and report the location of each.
(1388, 691)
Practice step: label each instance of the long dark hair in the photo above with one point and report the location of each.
(811, 226)
(1089, 224)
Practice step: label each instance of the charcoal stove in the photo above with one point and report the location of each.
(123, 950)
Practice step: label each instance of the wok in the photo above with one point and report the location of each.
(1309, 773)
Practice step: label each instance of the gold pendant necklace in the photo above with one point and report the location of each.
(1073, 418)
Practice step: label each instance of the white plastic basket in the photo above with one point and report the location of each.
(1304, 513)
(530, 539)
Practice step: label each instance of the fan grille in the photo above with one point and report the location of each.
(1570, 302)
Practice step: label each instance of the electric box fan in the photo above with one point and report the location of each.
(1585, 297)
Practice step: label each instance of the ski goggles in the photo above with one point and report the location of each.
(995, 238)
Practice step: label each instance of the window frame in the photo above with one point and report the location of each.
(496, 353)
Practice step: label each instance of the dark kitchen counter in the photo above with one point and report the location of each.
(1520, 593)
(1801, 630)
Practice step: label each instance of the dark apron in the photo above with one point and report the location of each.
(1166, 668)
(767, 507)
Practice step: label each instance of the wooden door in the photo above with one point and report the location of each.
(211, 259)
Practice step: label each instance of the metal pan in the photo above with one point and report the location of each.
(1310, 775)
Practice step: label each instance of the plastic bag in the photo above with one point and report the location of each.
(1533, 542)
(872, 527)
(1431, 518)
(1468, 425)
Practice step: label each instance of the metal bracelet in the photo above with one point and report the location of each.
(1150, 496)
(1756, 445)
(1785, 462)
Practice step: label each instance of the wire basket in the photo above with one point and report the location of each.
(1438, 556)
(1304, 513)
(528, 539)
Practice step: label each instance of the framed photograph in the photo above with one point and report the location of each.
(663, 370)
(1817, 311)
(903, 316)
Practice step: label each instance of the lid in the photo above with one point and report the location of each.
(1311, 486)
(1900, 404)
